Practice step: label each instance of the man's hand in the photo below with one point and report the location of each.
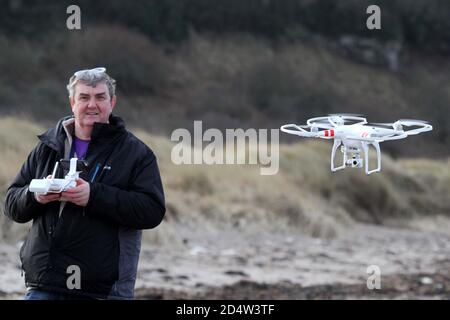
(78, 195)
(46, 198)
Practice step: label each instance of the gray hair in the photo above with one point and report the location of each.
(91, 78)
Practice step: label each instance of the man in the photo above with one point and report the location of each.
(85, 242)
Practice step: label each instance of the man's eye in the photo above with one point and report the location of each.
(83, 98)
(101, 98)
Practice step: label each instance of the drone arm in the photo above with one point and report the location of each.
(396, 136)
(368, 140)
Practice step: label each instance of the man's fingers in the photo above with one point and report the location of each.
(80, 182)
(72, 193)
(50, 196)
(74, 190)
(71, 190)
(78, 195)
(45, 198)
(73, 198)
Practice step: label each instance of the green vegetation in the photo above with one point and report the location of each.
(420, 24)
(233, 81)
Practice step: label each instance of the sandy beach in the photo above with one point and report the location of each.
(227, 264)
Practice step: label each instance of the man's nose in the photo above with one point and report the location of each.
(92, 103)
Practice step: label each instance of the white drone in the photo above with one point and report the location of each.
(356, 137)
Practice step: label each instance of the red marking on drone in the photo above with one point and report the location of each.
(365, 134)
(329, 133)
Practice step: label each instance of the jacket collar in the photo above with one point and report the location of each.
(102, 132)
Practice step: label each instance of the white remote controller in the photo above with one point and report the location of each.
(51, 185)
(45, 186)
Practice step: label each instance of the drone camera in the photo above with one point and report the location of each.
(355, 162)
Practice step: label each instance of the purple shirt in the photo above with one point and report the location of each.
(81, 147)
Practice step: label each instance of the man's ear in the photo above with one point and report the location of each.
(113, 101)
(72, 102)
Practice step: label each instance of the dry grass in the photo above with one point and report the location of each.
(303, 197)
(17, 138)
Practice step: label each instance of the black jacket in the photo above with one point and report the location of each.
(103, 238)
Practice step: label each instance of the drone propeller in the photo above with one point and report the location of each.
(314, 131)
(382, 123)
(334, 120)
(320, 122)
(412, 122)
(345, 115)
(423, 126)
(398, 125)
(298, 130)
(405, 122)
(342, 118)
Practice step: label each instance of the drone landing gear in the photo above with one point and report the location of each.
(336, 145)
(376, 145)
(351, 156)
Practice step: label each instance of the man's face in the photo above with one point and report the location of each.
(90, 105)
